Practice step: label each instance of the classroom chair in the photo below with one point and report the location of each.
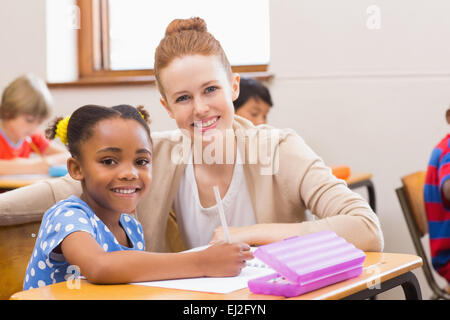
(410, 196)
(16, 246)
(173, 238)
(18, 233)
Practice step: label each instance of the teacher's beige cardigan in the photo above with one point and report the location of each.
(294, 180)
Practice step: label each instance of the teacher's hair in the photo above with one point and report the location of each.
(186, 37)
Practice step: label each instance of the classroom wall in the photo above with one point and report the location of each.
(373, 99)
(22, 39)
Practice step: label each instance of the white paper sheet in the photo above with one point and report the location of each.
(255, 268)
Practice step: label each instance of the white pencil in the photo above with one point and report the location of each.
(223, 221)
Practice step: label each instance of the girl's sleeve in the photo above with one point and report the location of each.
(337, 207)
(56, 227)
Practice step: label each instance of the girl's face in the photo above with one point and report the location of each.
(199, 94)
(115, 166)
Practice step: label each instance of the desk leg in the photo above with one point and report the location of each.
(411, 287)
(408, 281)
(370, 190)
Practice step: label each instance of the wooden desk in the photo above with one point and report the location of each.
(382, 271)
(361, 179)
(9, 182)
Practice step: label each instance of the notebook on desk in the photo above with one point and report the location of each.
(255, 268)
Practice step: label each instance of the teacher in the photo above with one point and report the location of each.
(267, 177)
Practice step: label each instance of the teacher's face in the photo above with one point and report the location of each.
(199, 94)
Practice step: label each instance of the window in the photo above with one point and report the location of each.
(117, 39)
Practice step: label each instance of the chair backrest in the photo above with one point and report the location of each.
(173, 238)
(16, 246)
(411, 199)
(413, 185)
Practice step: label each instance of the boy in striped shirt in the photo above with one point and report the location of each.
(437, 204)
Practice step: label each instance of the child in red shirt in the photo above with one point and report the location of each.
(25, 104)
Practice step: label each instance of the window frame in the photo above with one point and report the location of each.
(93, 53)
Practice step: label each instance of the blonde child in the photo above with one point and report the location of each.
(93, 234)
(25, 104)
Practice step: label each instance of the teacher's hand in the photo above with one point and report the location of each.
(258, 234)
(237, 234)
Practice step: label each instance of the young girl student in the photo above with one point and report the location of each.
(25, 104)
(93, 234)
(267, 177)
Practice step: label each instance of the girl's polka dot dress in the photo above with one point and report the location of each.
(72, 215)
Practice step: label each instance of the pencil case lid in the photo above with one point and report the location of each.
(305, 259)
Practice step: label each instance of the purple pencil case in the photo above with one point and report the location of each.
(307, 263)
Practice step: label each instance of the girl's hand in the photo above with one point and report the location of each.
(224, 259)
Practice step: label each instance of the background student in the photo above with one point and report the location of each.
(437, 204)
(254, 101)
(25, 104)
